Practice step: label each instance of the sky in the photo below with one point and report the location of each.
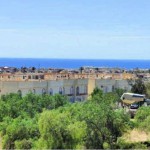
(78, 29)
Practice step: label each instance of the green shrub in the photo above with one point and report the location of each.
(122, 144)
(23, 144)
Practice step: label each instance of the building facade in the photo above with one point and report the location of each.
(75, 89)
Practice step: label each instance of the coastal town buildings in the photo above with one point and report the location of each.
(77, 85)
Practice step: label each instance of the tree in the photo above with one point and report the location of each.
(50, 122)
(104, 124)
(20, 131)
(93, 124)
(142, 118)
(138, 87)
(148, 89)
(119, 92)
(97, 92)
(60, 130)
(19, 115)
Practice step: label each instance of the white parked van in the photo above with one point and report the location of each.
(131, 98)
(133, 101)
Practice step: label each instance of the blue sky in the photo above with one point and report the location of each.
(96, 29)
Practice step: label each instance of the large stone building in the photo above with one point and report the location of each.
(75, 89)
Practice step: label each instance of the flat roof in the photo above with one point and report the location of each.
(134, 94)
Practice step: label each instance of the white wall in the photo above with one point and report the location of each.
(27, 86)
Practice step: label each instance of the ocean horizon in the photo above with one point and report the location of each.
(74, 63)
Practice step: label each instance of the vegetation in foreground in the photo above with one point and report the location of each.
(51, 122)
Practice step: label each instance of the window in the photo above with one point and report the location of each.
(85, 89)
(71, 90)
(63, 91)
(60, 91)
(36, 77)
(41, 77)
(19, 92)
(113, 88)
(106, 89)
(43, 91)
(34, 91)
(51, 91)
(77, 90)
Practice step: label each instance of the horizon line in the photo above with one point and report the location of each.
(73, 58)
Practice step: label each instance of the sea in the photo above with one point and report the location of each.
(73, 63)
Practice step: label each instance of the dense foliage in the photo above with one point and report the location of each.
(142, 118)
(19, 117)
(93, 124)
(139, 87)
(141, 128)
(51, 122)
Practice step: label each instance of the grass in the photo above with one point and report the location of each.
(136, 135)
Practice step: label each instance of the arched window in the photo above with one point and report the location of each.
(19, 92)
(77, 90)
(85, 89)
(63, 91)
(106, 89)
(71, 90)
(43, 91)
(34, 91)
(113, 88)
(60, 91)
(51, 91)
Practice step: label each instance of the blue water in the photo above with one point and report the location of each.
(72, 63)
